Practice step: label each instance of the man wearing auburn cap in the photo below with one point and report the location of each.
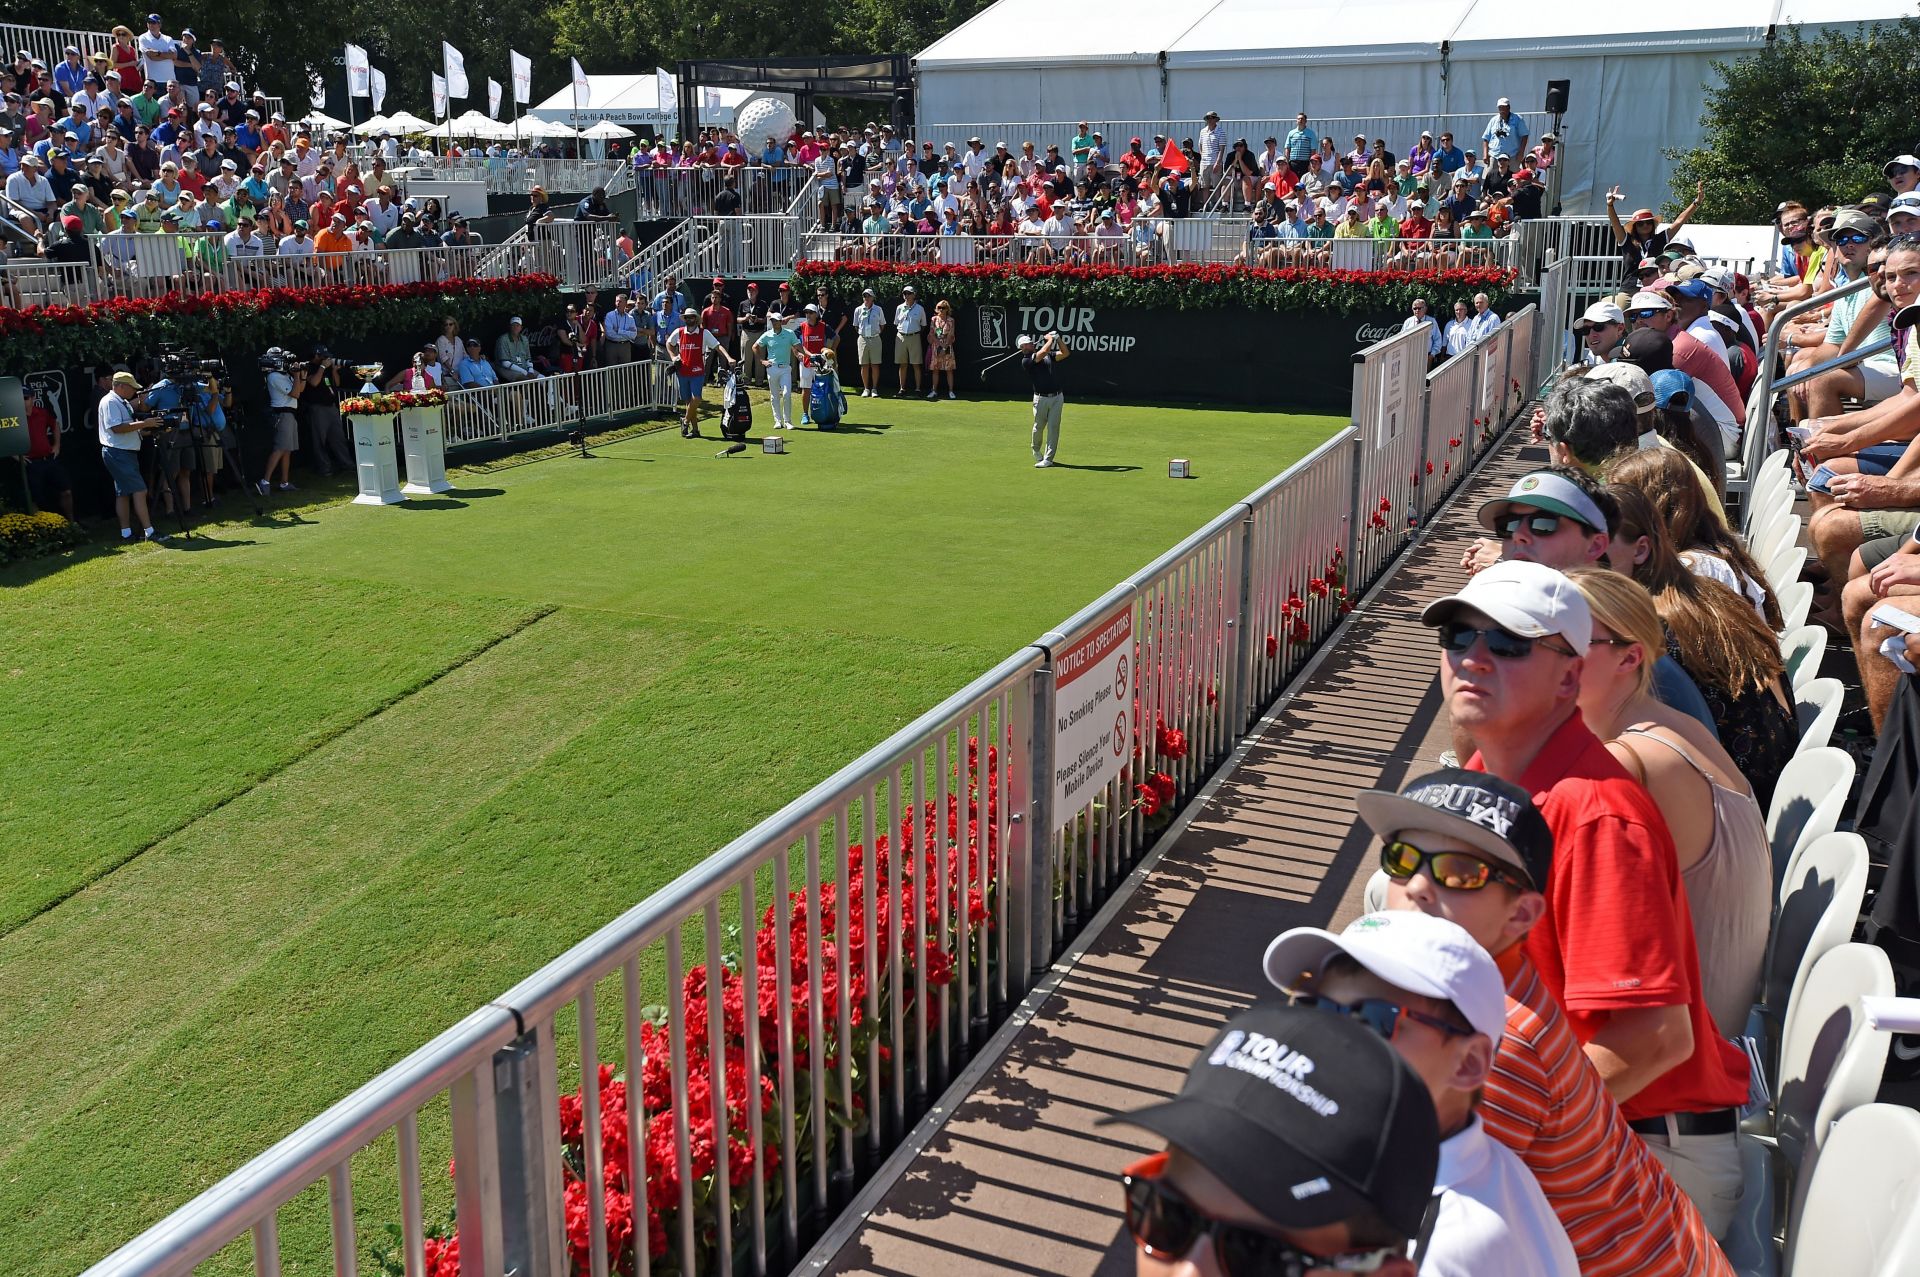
(1615, 945)
(1473, 849)
(1299, 1142)
(1427, 987)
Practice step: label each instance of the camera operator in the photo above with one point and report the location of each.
(182, 402)
(120, 434)
(282, 405)
(219, 437)
(320, 396)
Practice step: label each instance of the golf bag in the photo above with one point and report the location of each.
(825, 404)
(736, 415)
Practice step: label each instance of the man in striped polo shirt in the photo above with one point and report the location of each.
(1474, 849)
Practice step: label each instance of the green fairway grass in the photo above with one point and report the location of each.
(282, 807)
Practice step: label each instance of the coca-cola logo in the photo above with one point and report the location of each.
(1367, 334)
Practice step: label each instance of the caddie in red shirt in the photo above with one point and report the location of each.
(1615, 947)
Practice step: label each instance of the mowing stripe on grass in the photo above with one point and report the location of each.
(319, 742)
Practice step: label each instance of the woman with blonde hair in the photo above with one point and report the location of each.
(940, 355)
(449, 347)
(1717, 639)
(1718, 831)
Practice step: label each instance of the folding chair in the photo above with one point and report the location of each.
(1858, 1208)
(1802, 650)
(1796, 601)
(1784, 568)
(1821, 904)
(1807, 802)
(1817, 706)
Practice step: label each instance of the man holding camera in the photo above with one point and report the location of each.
(120, 452)
(320, 395)
(282, 404)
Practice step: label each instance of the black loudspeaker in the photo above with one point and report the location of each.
(1556, 97)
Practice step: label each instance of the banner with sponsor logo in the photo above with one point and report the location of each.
(1288, 361)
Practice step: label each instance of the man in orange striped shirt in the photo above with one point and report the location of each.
(1473, 849)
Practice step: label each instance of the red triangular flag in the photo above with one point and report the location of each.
(1173, 159)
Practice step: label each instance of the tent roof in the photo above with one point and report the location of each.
(628, 92)
(1293, 32)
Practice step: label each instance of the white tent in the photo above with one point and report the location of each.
(1022, 71)
(634, 101)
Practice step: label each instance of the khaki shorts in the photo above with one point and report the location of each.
(870, 350)
(1875, 524)
(907, 349)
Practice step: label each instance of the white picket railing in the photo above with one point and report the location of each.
(49, 44)
(1159, 242)
(495, 414)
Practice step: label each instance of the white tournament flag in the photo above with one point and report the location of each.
(582, 87)
(493, 98)
(521, 68)
(710, 99)
(456, 71)
(358, 72)
(663, 88)
(439, 96)
(317, 91)
(377, 82)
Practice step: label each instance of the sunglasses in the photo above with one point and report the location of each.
(1537, 524)
(1378, 1014)
(1893, 170)
(1849, 237)
(1459, 638)
(1454, 870)
(1646, 314)
(1167, 1226)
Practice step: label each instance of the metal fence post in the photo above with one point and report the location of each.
(527, 1110)
(476, 1178)
(1362, 576)
(1240, 659)
(1033, 714)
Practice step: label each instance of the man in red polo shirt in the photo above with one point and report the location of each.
(718, 319)
(1615, 947)
(1473, 849)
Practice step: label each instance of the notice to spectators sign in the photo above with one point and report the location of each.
(1092, 727)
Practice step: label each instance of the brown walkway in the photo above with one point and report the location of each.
(1020, 1180)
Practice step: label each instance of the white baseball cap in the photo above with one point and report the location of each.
(1600, 313)
(1528, 599)
(1629, 377)
(1649, 301)
(1905, 202)
(1408, 949)
(1503, 102)
(1026, 340)
(1907, 160)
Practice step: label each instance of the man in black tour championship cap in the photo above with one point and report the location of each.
(1301, 1143)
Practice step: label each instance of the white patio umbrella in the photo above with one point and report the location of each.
(373, 126)
(324, 120)
(407, 122)
(605, 130)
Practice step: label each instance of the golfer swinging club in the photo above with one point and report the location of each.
(1047, 398)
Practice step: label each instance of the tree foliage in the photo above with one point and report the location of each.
(1810, 117)
(278, 49)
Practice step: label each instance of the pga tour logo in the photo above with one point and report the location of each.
(1075, 324)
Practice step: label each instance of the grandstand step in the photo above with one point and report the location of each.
(1021, 1179)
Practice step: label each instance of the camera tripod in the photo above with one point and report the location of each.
(195, 433)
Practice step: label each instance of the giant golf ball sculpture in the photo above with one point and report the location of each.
(760, 118)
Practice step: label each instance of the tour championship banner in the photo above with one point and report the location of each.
(1283, 360)
(1092, 733)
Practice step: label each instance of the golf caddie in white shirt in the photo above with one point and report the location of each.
(1038, 359)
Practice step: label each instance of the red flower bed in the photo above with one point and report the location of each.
(248, 320)
(719, 1094)
(1179, 287)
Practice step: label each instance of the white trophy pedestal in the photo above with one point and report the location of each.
(424, 443)
(374, 461)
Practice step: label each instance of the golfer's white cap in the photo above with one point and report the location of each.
(1408, 949)
(1026, 340)
(1531, 600)
(1503, 102)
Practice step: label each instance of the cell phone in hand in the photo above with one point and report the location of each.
(1895, 618)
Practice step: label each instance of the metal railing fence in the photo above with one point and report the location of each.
(865, 938)
(1400, 132)
(49, 44)
(495, 414)
(1160, 242)
(690, 192)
